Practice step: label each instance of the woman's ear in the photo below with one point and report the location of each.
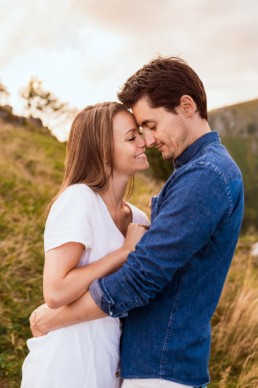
(187, 105)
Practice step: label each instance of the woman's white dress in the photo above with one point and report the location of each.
(85, 355)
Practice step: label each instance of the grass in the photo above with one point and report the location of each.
(29, 178)
(245, 151)
(31, 165)
(234, 358)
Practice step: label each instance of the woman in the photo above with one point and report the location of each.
(86, 238)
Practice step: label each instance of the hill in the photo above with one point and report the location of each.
(236, 120)
(31, 168)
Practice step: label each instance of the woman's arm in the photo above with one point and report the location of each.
(45, 319)
(63, 282)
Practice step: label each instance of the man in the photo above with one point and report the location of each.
(170, 286)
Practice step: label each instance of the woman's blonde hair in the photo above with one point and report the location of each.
(89, 151)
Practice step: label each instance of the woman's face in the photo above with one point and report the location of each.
(129, 146)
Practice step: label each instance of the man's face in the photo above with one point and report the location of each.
(167, 131)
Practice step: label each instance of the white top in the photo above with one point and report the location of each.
(85, 355)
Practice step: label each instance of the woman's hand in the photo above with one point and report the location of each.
(45, 319)
(42, 320)
(133, 235)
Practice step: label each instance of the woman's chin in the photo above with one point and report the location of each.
(144, 167)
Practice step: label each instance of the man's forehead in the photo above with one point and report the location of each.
(143, 114)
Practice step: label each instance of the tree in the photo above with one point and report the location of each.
(42, 104)
(4, 94)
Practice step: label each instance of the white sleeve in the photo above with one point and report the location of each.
(69, 219)
(139, 216)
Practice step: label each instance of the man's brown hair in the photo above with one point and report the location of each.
(163, 82)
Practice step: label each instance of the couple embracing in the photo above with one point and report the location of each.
(128, 302)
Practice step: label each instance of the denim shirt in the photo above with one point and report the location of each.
(168, 289)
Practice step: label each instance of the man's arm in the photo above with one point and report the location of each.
(193, 206)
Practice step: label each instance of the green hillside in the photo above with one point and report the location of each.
(244, 151)
(31, 164)
(31, 167)
(238, 127)
(236, 120)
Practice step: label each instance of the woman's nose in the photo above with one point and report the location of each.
(141, 142)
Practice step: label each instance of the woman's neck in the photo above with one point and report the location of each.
(117, 207)
(114, 196)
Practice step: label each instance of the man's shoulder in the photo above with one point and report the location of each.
(212, 167)
(219, 159)
(215, 157)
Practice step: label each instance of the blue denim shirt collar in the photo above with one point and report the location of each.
(196, 147)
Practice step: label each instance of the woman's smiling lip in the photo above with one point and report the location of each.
(141, 155)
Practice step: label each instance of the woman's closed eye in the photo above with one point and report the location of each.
(132, 138)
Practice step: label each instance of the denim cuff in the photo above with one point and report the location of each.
(98, 296)
(103, 300)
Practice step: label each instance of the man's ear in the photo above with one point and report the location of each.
(187, 105)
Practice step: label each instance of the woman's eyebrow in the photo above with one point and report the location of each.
(130, 130)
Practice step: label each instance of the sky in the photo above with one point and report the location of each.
(84, 50)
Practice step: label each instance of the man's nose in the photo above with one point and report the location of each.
(149, 138)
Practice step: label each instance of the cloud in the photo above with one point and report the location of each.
(35, 24)
(84, 50)
(196, 29)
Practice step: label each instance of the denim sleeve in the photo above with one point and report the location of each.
(194, 203)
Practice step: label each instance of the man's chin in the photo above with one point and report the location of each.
(166, 156)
